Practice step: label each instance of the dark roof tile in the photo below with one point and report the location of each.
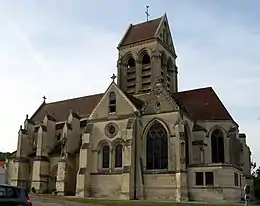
(141, 32)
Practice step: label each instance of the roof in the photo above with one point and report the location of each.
(84, 105)
(203, 104)
(61, 109)
(200, 104)
(141, 32)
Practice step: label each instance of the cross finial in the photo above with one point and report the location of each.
(147, 13)
(44, 98)
(113, 77)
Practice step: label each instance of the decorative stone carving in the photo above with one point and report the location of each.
(111, 130)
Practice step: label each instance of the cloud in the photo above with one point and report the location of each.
(61, 50)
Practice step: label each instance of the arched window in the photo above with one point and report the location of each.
(217, 146)
(112, 102)
(118, 156)
(105, 156)
(157, 147)
(146, 73)
(131, 75)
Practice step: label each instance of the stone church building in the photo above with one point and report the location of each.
(140, 139)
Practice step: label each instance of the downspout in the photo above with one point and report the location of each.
(135, 160)
(137, 114)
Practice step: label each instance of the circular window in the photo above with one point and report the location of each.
(111, 130)
(158, 104)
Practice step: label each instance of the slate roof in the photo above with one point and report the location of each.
(141, 32)
(200, 104)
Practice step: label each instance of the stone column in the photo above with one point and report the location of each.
(125, 188)
(83, 175)
(181, 174)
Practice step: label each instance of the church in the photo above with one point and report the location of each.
(140, 139)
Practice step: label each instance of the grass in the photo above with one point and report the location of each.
(128, 202)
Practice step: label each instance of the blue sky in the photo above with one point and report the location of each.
(59, 48)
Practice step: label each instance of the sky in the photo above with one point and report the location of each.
(67, 48)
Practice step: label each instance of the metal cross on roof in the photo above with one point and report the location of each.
(44, 98)
(147, 13)
(113, 77)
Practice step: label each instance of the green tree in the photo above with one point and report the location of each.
(3, 155)
(256, 175)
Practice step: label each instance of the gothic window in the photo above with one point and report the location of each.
(105, 157)
(163, 67)
(157, 147)
(112, 102)
(217, 146)
(118, 156)
(146, 73)
(131, 75)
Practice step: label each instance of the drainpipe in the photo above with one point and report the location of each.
(135, 153)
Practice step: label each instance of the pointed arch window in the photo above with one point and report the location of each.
(217, 146)
(131, 75)
(118, 156)
(146, 72)
(112, 102)
(105, 157)
(157, 147)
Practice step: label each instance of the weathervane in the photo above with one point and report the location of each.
(147, 13)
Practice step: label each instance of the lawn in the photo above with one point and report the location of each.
(128, 202)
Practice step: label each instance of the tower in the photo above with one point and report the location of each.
(146, 53)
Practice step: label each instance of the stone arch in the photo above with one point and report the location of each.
(130, 63)
(129, 55)
(53, 178)
(102, 143)
(143, 52)
(156, 145)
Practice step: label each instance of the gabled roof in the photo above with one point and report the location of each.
(84, 105)
(203, 104)
(200, 104)
(140, 32)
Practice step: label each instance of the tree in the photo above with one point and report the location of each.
(3, 155)
(256, 176)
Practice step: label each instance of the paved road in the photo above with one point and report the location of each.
(36, 201)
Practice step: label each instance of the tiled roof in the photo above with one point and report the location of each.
(61, 109)
(203, 104)
(141, 32)
(84, 106)
(200, 104)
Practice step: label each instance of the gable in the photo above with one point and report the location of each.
(164, 34)
(159, 101)
(140, 32)
(123, 104)
(203, 104)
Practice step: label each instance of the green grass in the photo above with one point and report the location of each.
(128, 202)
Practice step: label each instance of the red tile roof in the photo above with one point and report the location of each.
(61, 109)
(141, 32)
(203, 104)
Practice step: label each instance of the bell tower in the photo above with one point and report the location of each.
(146, 53)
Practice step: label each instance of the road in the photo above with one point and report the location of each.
(37, 201)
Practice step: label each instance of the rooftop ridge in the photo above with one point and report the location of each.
(64, 100)
(196, 89)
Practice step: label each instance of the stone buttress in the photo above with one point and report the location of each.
(67, 166)
(41, 163)
(21, 172)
